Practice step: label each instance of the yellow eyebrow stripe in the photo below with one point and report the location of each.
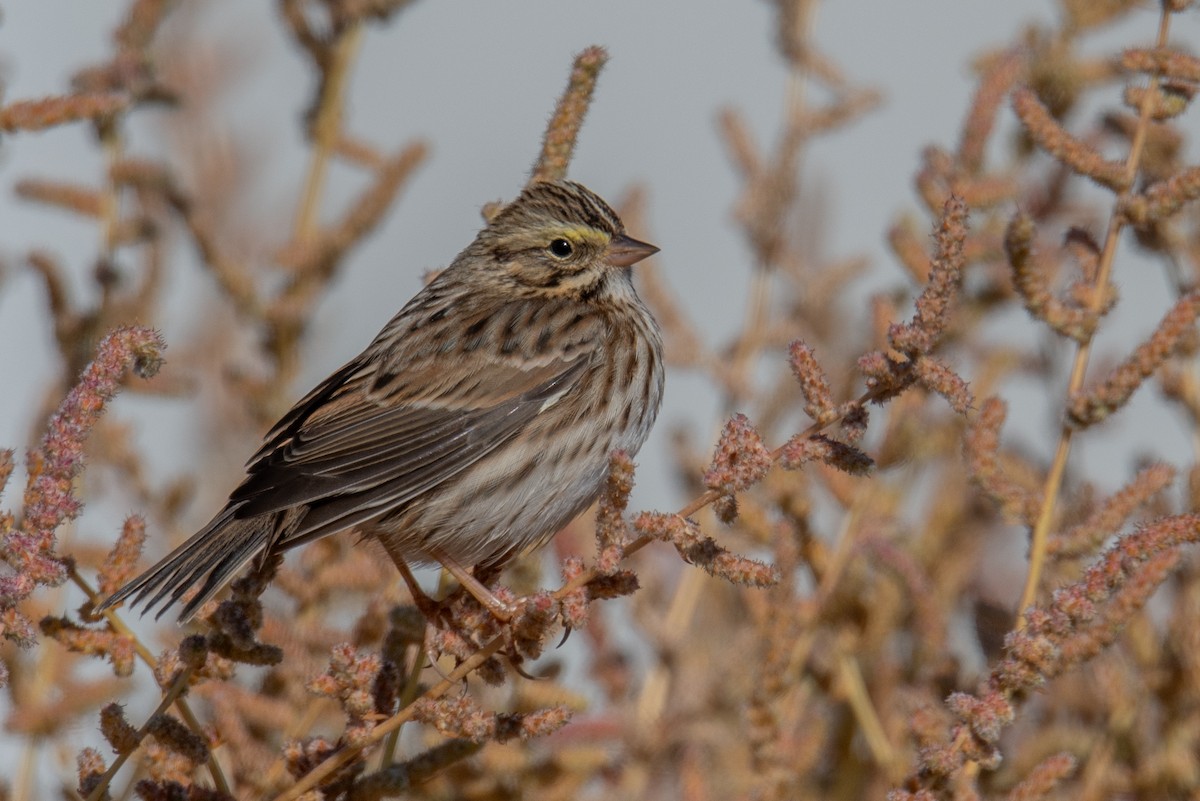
(583, 233)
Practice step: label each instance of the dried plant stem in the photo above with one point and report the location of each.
(181, 705)
(44, 676)
(412, 685)
(304, 723)
(656, 689)
(1191, 374)
(310, 780)
(1190, 371)
(110, 207)
(750, 343)
(758, 310)
(811, 611)
(177, 688)
(297, 728)
(1099, 763)
(327, 126)
(711, 496)
(558, 144)
(851, 679)
(1041, 530)
(23, 788)
(843, 550)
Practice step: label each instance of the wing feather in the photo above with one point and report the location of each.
(356, 447)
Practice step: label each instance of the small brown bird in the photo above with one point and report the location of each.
(478, 422)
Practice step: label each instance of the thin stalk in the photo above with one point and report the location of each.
(143, 653)
(297, 727)
(409, 694)
(851, 679)
(656, 689)
(380, 732)
(758, 305)
(177, 688)
(1041, 530)
(710, 496)
(327, 129)
(110, 204)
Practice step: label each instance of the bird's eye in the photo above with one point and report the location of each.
(561, 248)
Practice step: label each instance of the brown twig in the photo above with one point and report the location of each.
(1040, 535)
(558, 144)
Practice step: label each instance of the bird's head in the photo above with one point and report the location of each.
(560, 238)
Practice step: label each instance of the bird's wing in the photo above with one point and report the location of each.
(378, 432)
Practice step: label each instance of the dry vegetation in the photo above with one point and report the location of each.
(869, 476)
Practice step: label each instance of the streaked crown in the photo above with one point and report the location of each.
(564, 202)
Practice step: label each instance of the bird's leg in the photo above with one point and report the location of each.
(431, 609)
(502, 611)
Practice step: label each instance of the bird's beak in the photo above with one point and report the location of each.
(624, 251)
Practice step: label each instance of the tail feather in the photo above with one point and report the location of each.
(214, 554)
